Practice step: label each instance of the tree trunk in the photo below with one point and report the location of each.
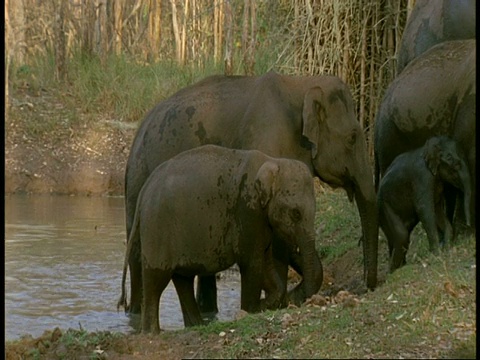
(118, 26)
(7, 58)
(16, 31)
(101, 31)
(184, 33)
(88, 22)
(154, 28)
(249, 37)
(60, 48)
(176, 32)
(228, 38)
(218, 19)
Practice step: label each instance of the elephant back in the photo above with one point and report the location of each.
(442, 78)
(433, 22)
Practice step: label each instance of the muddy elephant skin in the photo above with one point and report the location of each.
(310, 119)
(236, 208)
(433, 22)
(412, 191)
(434, 95)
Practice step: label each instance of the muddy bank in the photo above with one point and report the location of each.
(81, 158)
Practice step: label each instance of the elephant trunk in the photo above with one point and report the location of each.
(312, 268)
(367, 208)
(304, 263)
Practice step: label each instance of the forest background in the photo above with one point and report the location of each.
(124, 56)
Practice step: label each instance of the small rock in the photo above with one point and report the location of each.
(316, 300)
(241, 314)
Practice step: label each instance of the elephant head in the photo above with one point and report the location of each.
(339, 157)
(289, 205)
(444, 159)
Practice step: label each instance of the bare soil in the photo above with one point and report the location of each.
(88, 157)
(48, 152)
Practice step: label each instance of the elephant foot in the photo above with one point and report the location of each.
(135, 321)
(296, 296)
(209, 317)
(463, 230)
(134, 309)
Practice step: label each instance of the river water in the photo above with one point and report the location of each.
(63, 267)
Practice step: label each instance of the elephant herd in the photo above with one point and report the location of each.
(221, 173)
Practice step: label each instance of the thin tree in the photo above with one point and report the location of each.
(249, 36)
(7, 58)
(154, 28)
(60, 44)
(176, 31)
(228, 38)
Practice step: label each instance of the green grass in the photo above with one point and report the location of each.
(337, 223)
(424, 309)
(411, 315)
(118, 87)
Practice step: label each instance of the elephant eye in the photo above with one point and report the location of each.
(295, 215)
(352, 138)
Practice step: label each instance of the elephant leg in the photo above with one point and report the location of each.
(190, 310)
(401, 240)
(280, 261)
(135, 264)
(281, 269)
(428, 217)
(251, 287)
(154, 282)
(398, 237)
(275, 283)
(297, 295)
(450, 194)
(206, 295)
(444, 227)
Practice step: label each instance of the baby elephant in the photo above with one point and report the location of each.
(412, 191)
(211, 207)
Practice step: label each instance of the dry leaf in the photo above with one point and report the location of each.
(449, 289)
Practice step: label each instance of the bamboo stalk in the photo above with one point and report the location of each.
(184, 33)
(176, 31)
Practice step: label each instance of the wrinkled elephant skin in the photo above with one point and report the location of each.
(433, 22)
(237, 208)
(434, 95)
(311, 119)
(412, 191)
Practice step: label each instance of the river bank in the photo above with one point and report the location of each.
(49, 149)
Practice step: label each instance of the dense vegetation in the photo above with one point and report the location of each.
(122, 57)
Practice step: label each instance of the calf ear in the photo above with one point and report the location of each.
(265, 182)
(432, 154)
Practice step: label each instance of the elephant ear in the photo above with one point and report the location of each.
(265, 181)
(312, 108)
(432, 154)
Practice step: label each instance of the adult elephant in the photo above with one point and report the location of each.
(311, 119)
(434, 95)
(432, 22)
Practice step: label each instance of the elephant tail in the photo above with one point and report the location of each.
(134, 237)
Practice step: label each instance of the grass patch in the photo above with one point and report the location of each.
(337, 223)
(423, 310)
(118, 88)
